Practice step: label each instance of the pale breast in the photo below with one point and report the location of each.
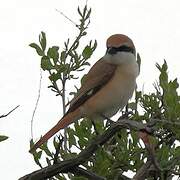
(114, 95)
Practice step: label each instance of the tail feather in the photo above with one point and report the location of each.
(64, 122)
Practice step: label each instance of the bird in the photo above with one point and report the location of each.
(107, 87)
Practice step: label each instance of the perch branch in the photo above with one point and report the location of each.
(67, 165)
(88, 174)
(143, 171)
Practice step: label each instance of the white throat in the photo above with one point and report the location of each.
(123, 59)
(120, 58)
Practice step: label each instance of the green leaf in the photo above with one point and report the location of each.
(88, 14)
(55, 143)
(53, 53)
(164, 156)
(163, 77)
(63, 55)
(175, 84)
(42, 40)
(3, 138)
(37, 157)
(85, 64)
(132, 106)
(82, 142)
(79, 11)
(31, 143)
(46, 150)
(177, 151)
(37, 48)
(46, 63)
(72, 140)
(84, 11)
(94, 46)
(62, 68)
(102, 162)
(99, 126)
(54, 77)
(163, 68)
(87, 52)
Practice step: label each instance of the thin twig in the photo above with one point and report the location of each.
(5, 115)
(37, 101)
(64, 109)
(166, 122)
(66, 17)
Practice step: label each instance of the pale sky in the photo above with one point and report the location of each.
(154, 26)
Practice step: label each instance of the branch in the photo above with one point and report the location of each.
(85, 173)
(67, 165)
(166, 122)
(66, 17)
(143, 171)
(5, 115)
(151, 164)
(37, 102)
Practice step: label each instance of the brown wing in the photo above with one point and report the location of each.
(97, 77)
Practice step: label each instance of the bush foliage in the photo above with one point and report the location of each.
(160, 109)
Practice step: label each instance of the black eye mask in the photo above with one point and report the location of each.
(114, 50)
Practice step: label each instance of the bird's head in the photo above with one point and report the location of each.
(120, 48)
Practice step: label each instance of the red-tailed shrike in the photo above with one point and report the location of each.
(107, 88)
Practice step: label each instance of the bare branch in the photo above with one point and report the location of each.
(166, 122)
(37, 101)
(5, 115)
(66, 17)
(82, 172)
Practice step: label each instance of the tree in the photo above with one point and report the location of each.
(144, 140)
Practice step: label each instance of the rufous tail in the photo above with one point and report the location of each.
(64, 122)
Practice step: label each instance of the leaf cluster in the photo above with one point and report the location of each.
(62, 63)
